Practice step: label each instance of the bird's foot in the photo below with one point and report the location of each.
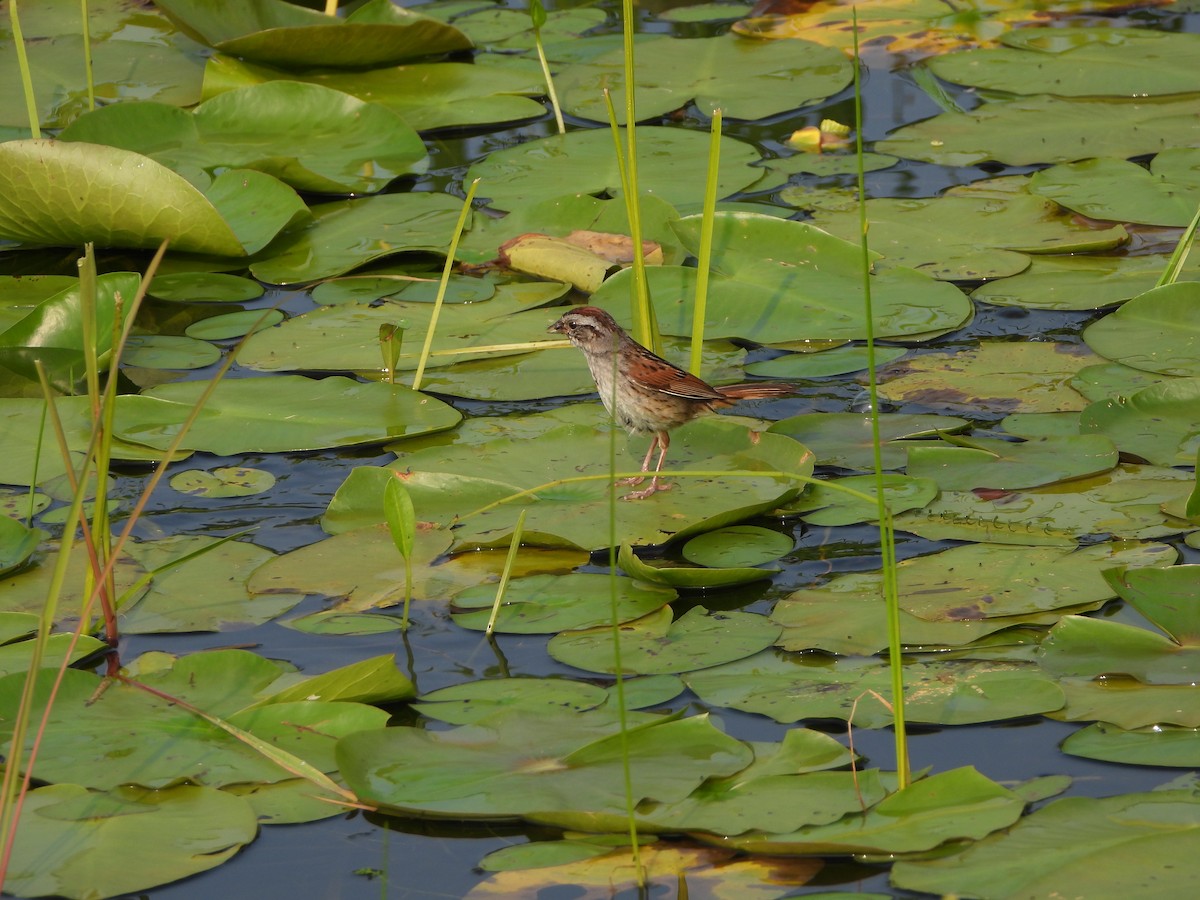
(631, 480)
(655, 487)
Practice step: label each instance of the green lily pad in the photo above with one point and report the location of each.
(1158, 423)
(467, 704)
(822, 505)
(776, 281)
(1125, 503)
(205, 593)
(225, 481)
(158, 743)
(234, 325)
(128, 200)
(1080, 646)
(359, 148)
(577, 514)
(372, 680)
(688, 577)
(846, 439)
(944, 807)
(59, 649)
(204, 287)
(165, 351)
(823, 165)
(376, 33)
(1158, 745)
(26, 589)
(951, 692)
(656, 645)
(21, 425)
(1086, 281)
(1124, 191)
(734, 74)
(278, 414)
(1078, 62)
(838, 361)
(1007, 465)
(739, 545)
(957, 238)
(672, 164)
(17, 544)
(148, 837)
(997, 377)
(1129, 703)
(1158, 331)
(134, 55)
(427, 96)
(545, 604)
(1045, 129)
(1111, 380)
(334, 243)
(342, 624)
(1130, 845)
(485, 770)
(1164, 596)
(338, 338)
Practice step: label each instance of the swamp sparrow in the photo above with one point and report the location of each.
(651, 395)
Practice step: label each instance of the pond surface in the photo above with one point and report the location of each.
(373, 855)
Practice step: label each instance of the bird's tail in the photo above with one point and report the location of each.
(761, 390)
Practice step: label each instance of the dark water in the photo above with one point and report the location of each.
(368, 856)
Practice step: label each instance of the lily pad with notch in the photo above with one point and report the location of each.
(846, 439)
(689, 577)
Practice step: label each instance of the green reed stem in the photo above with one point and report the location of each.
(86, 31)
(537, 13)
(1179, 256)
(23, 64)
(441, 294)
(514, 547)
(887, 537)
(700, 306)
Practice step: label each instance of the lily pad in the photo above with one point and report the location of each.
(776, 281)
(576, 514)
(846, 439)
(485, 770)
(204, 287)
(997, 377)
(739, 545)
(234, 325)
(821, 504)
(656, 645)
(334, 244)
(545, 604)
(1158, 745)
(271, 31)
(1124, 191)
(1158, 424)
(165, 351)
(1045, 129)
(1124, 503)
(282, 413)
(427, 96)
(204, 593)
(734, 74)
(941, 808)
(951, 692)
(148, 837)
(1007, 465)
(1080, 646)
(1129, 703)
(1086, 281)
(957, 238)
(474, 701)
(159, 743)
(128, 200)
(1129, 845)
(1158, 331)
(672, 165)
(359, 147)
(224, 481)
(838, 361)
(1078, 62)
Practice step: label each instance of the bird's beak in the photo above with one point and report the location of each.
(557, 326)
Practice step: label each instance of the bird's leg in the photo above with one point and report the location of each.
(638, 479)
(664, 441)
